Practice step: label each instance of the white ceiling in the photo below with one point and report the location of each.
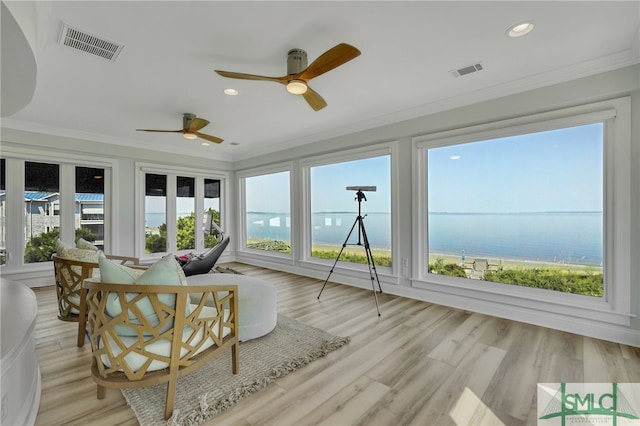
(408, 50)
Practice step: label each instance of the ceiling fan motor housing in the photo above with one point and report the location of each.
(186, 119)
(296, 61)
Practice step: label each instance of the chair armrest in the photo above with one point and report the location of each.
(124, 259)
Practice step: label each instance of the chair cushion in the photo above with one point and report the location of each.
(161, 347)
(164, 272)
(79, 254)
(85, 245)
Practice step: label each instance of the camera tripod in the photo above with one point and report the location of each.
(362, 237)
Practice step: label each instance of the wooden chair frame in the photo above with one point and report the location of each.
(69, 275)
(107, 345)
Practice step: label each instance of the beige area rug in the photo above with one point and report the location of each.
(213, 389)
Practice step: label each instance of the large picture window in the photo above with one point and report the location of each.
(524, 210)
(268, 212)
(532, 211)
(334, 209)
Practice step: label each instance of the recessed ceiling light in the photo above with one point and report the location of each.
(520, 29)
(189, 135)
(205, 143)
(454, 157)
(230, 92)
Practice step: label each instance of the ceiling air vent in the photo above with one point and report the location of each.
(467, 70)
(89, 43)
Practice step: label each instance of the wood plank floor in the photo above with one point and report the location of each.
(417, 364)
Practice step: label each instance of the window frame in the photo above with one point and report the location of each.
(15, 242)
(241, 177)
(614, 306)
(141, 169)
(362, 153)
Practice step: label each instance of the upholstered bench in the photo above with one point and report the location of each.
(257, 302)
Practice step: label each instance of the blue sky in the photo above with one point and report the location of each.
(270, 192)
(559, 170)
(329, 183)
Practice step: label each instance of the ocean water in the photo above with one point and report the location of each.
(569, 237)
(153, 220)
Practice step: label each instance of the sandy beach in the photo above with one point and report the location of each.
(448, 258)
(510, 263)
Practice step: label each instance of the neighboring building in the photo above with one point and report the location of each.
(42, 214)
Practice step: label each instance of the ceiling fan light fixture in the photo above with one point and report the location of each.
(296, 87)
(189, 136)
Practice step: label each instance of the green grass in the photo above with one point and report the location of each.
(349, 254)
(568, 281)
(587, 281)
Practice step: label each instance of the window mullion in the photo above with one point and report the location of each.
(172, 215)
(199, 213)
(15, 212)
(67, 203)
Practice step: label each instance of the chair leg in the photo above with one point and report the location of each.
(235, 359)
(171, 393)
(82, 331)
(102, 392)
(82, 318)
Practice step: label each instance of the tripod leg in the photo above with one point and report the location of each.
(370, 263)
(370, 256)
(338, 257)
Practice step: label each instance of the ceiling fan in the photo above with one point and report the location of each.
(299, 74)
(190, 128)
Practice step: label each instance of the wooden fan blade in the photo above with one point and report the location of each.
(153, 130)
(196, 124)
(314, 100)
(329, 60)
(241, 76)
(208, 137)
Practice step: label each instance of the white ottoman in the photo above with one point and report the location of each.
(257, 304)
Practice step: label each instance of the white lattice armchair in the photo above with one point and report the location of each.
(71, 265)
(143, 333)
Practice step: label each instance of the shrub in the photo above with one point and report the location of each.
(583, 282)
(346, 256)
(271, 245)
(450, 269)
(41, 247)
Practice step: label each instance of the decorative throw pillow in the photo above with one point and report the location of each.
(86, 245)
(83, 255)
(164, 272)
